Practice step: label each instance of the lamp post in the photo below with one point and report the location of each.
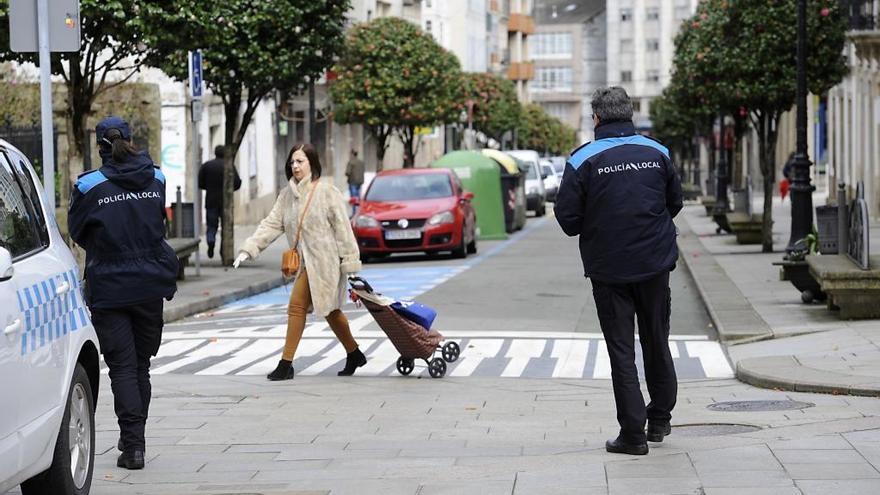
(722, 177)
(801, 188)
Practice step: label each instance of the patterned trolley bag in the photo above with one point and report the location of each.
(411, 340)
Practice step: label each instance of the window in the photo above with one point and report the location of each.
(408, 187)
(652, 45)
(551, 45)
(558, 110)
(652, 13)
(553, 78)
(626, 15)
(653, 76)
(626, 45)
(22, 229)
(637, 105)
(626, 76)
(428, 26)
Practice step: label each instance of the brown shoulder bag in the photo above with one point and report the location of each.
(290, 260)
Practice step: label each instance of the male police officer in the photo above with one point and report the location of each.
(117, 216)
(619, 194)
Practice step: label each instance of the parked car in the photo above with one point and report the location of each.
(416, 210)
(536, 195)
(49, 365)
(551, 179)
(558, 165)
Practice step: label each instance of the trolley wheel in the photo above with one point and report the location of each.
(405, 366)
(451, 351)
(437, 368)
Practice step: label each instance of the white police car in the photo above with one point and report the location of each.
(49, 365)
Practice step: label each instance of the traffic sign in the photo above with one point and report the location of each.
(196, 82)
(63, 23)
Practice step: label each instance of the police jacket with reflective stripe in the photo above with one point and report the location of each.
(117, 216)
(619, 194)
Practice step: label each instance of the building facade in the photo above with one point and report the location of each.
(568, 49)
(520, 26)
(640, 47)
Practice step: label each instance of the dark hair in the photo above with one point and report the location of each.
(311, 154)
(120, 149)
(611, 105)
(220, 151)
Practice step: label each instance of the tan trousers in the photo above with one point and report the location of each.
(300, 300)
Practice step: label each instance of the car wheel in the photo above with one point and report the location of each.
(74, 458)
(472, 246)
(541, 210)
(365, 258)
(461, 251)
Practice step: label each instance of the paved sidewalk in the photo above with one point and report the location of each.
(773, 339)
(219, 285)
(367, 435)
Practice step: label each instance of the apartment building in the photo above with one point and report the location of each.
(520, 25)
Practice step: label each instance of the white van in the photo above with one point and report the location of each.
(536, 195)
(49, 364)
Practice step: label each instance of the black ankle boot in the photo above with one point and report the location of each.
(353, 361)
(284, 371)
(210, 250)
(132, 459)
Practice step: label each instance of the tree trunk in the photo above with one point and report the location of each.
(381, 133)
(767, 133)
(231, 110)
(408, 134)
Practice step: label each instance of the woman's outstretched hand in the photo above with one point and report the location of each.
(242, 257)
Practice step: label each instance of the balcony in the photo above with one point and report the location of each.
(864, 30)
(520, 23)
(521, 71)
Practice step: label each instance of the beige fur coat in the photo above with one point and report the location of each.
(327, 244)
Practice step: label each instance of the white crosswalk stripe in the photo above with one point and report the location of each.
(572, 357)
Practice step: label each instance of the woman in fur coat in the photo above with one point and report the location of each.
(328, 251)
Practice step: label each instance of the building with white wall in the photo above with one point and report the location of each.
(640, 47)
(460, 26)
(520, 25)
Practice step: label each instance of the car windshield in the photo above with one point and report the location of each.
(406, 187)
(548, 170)
(531, 171)
(560, 167)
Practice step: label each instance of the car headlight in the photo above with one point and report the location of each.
(366, 221)
(441, 218)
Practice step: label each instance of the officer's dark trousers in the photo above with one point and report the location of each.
(212, 222)
(129, 337)
(649, 302)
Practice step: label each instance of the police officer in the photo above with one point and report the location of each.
(117, 216)
(619, 193)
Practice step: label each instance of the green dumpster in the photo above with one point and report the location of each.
(480, 175)
(513, 189)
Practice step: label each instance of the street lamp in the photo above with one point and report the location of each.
(801, 188)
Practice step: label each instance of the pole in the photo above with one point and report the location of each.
(722, 203)
(801, 188)
(311, 117)
(46, 104)
(197, 197)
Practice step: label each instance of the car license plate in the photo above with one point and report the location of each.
(397, 235)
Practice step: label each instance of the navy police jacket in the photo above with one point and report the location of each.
(117, 216)
(619, 194)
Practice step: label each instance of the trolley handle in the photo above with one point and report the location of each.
(358, 283)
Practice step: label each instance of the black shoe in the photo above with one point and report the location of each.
(284, 371)
(617, 447)
(656, 431)
(133, 459)
(210, 250)
(353, 361)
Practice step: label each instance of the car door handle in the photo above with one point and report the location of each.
(13, 328)
(62, 289)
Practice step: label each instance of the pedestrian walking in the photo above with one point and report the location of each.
(785, 183)
(117, 215)
(619, 193)
(311, 213)
(211, 180)
(354, 171)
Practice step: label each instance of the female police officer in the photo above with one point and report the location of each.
(117, 216)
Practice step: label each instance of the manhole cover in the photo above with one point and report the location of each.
(759, 405)
(712, 429)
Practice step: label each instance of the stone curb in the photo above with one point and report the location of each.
(735, 320)
(766, 372)
(175, 313)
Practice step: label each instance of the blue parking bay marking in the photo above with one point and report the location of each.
(49, 317)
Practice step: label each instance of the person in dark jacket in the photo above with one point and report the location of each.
(211, 180)
(117, 216)
(619, 194)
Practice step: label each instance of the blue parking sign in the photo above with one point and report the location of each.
(195, 74)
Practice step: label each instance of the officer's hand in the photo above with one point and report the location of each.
(242, 257)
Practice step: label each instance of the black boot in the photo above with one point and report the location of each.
(284, 371)
(133, 459)
(353, 361)
(210, 250)
(656, 431)
(617, 446)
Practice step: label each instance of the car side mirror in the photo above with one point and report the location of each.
(6, 268)
(544, 175)
(467, 196)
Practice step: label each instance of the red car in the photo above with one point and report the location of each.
(416, 210)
